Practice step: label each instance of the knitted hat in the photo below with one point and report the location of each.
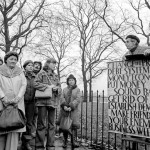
(10, 53)
(26, 63)
(71, 77)
(133, 37)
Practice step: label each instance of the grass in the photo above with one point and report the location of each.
(94, 120)
(96, 131)
(95, 134)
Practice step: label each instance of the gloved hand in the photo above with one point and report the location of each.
(67, 108)
(5, 101)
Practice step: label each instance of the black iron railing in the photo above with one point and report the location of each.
(94, 132)
(94, 128)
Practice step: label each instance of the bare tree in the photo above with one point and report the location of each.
(94, 40)
(128, 20)
(18, 19)
(56, 41)
(98, 55)
(140, 22)
(115, 22)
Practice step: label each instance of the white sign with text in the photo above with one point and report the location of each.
(129, 97)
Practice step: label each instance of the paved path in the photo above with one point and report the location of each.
(58, 145)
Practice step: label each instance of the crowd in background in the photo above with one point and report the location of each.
(18, 86)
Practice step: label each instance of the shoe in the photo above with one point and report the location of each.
(64, 144)
(51, 148)
(75, 145)
(65, 140)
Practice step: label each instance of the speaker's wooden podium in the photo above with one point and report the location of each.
(129, 99)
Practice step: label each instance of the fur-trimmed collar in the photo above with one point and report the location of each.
(10, 73)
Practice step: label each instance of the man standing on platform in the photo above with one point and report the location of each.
(132, 44)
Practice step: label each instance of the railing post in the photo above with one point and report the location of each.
(86, 115)
(91, 116)
(108, 140)
(102, 119)
(97, 121)
(81, 115)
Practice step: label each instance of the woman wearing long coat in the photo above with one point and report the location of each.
(29, 105)
(47, 106)
(69, 105)
(12, 88)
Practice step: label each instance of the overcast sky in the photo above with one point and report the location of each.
(101, 83)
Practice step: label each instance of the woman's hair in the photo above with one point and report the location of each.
(46, 66)
(48, 61)
(10, 53)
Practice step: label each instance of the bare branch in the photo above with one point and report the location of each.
(147, 4)
(29, 24)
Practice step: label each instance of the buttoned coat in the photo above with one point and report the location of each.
(74, 104)
(30, 90)
(41, 82)
(12, 86)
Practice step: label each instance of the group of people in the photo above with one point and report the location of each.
(19, 85)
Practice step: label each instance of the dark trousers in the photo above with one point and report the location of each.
(29, 111)
(45, 112)
(35, 119)
(72, 134)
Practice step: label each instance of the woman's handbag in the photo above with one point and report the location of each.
(44, 94)
(65, 123)
(47, 93)
(12, 118)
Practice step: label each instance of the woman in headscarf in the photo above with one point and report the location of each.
(70, 102)
(12, 88)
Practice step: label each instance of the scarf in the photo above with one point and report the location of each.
(36, 71)
(10, 73)
(69, 93)
(132, 50)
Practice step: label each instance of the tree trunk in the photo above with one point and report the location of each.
(85, 92)
(7, 47)
(6, 32)
(90, 85)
